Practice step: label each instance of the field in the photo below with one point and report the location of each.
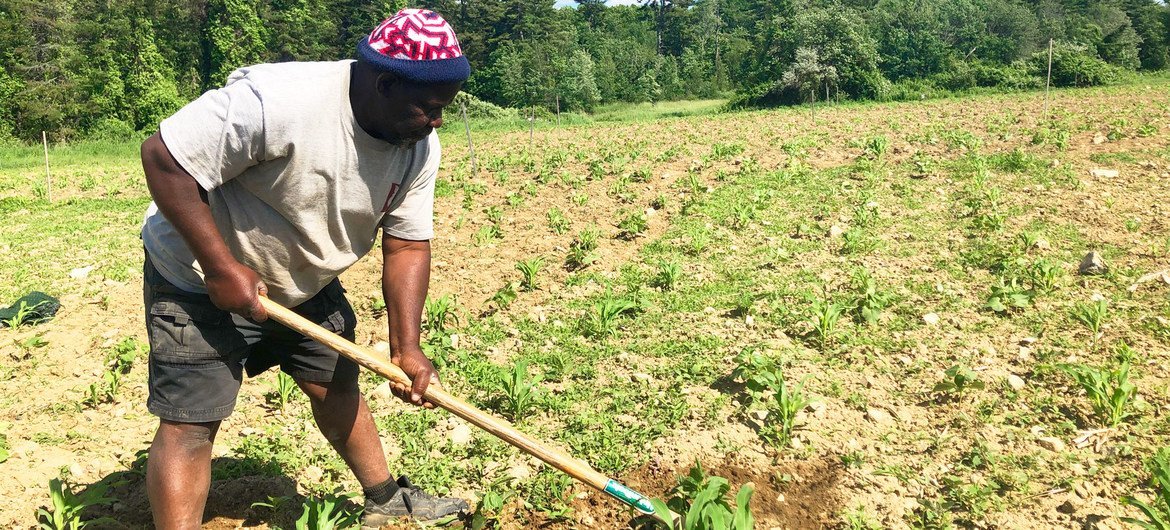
(873, 313)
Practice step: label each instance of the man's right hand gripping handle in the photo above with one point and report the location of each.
(231, 285)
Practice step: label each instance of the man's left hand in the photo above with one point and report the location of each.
(421, 372)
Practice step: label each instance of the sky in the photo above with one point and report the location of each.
(563, 3)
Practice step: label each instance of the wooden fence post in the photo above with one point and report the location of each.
(1048, 84)
(467, 127)
(48, 176)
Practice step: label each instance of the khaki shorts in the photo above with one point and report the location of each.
(199, 353)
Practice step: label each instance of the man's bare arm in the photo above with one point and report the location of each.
(231, 285)
(406, 275)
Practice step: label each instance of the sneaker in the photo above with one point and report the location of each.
(411, 502)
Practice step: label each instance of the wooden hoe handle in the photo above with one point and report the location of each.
(497, 427)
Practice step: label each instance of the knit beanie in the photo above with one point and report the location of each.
(416, 45)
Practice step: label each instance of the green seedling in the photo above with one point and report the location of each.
(487, 510)
(505, 296)
(766, 385)
(633, 225)
(957, 380)
(519, 390)
(825, 316)
(601, 322)
(275, 504)
(1157, 514)
(123, 354)
(701, 502)
(65, 506)
(487, 234)
(870, 301)
(557, 222)
(92, 398)
(283, 390)
(327, 513)
(113, 382)
(1045, 276)
(667, 276)
(528, 270)
(581, 249)
(22, 313)
(1092, 315)
(1109, 390)
(1008, 296)
(494, 214)
(440, 312)
(742, 215)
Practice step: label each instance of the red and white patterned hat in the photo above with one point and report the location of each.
(417, 45)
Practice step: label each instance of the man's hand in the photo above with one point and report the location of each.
(237, 288)
(421, 372)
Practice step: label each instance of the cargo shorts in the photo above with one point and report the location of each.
(199, 353)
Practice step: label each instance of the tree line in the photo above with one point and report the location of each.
(103, 68)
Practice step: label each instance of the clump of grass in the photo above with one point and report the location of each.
(581, 250)
(528, 270)
(601, 323)
(519, 390)
(439, 313)
(1092, 315)
(667, 276)
(1109, 390)
(65, 506)
(1157, 515)
(702, 504)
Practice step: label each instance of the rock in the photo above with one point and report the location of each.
(76, 470)
(1070, 506)
(382, 392)
(931, 319)
(1041, 244)
(836, 231)
(639, 377)
(382, 347)
(454, 341)
(1093, 264)
(519, 471)
(1099, 139)
(749, 321)
(1016, 382)
(1051, 443)
(460, 435)
(1105, 173)
(80, 273)
(796, 444)
(760, 415)
(877, 415)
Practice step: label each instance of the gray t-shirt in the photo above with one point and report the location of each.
(296, 187)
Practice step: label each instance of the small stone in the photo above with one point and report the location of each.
(836, 231)
(1016, 382)
(877, 415)
(382, 347)
(931, 319)
(460, 435)
(1105, 173)
(382, 392)
(1093, 264)
(641, 378)
(80, 273)
(1051, 443)
(1069, 506)
(760, 415)
(76, 470)
(519, 472)
(1099, 139)
(749, 321)
(796, 444)
(247, 431)
(454, 341)
(1041, 244)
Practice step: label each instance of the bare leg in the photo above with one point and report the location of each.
(178, 473)
(345, 420)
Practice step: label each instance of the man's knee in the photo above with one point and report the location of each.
(333, 393)
(187, 436)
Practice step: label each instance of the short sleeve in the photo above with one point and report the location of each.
(413, 217)
(219, 135)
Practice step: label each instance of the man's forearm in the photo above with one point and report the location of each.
(184, 203)
(406, 275)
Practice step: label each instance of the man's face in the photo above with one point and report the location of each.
(409, 112)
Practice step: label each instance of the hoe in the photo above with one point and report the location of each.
(497, 427)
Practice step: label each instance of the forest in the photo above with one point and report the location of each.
(99, 68)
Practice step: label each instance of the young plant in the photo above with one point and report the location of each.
(328, 513)
(528, 270)
(581, 249)
(1109, 390)
(601, 322)
(1010, 295)
(487, 511)
(557, 222)
(440, 312)
(633, 225)
(282, 391)
(65, 506)
(22, 314)
(1045, 276)
(825, 316)
(667, 276)
(519, 390)
(701, 501)
(870, 301)
(1092, 315)
(766, 384)
(1158, 513)
(957, 380)
(505, 296)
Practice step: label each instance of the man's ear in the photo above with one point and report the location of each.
(387, 83)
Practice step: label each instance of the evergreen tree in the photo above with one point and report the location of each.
(234, 37)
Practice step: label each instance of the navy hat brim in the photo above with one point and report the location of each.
(430, 72)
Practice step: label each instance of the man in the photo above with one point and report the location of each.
(273, 186)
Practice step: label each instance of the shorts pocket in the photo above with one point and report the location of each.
(192, 332)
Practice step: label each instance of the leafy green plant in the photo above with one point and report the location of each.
(1157, 515)
(519, 390)
(742, 215)
(702, 504)
(766, 384)
(1092, 315)
(825, 316)
(65, 506)
(327, 513)
(601, 321)
(440, 312)
(22, 313)
(875, 147)
(1009, 295)
(528, 270)
(283, 390)
(1108, 389)
(1045, 276)
(504, 296)
(581, 249)
(957, 380)
(870, 301)
(633, 225)
(557, 222)
(667, 276)
(487, 510)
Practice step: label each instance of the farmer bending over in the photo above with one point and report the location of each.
(273, 186)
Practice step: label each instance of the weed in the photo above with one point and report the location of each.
(487, 510)
(505, 296)
(931, 514)
(1009, 295)
(766, 384)
(528, 270)
(1045, 276)
(65, 506)
(22, 313)
(633, 225)
(742, 215)
(957, 380)
(824, 321)
(518, 390)
(557, 222)
(1109, 390)
(582, 248)
(600, 323)
(327, 513)
(1092, 315)
(870, 301)
(701, 501)
(857, 519)
(1158, 513)
(440, 312)
(875, 147)
(283, 390)
(667, 276)
(487, 234)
